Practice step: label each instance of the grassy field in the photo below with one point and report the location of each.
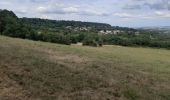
(43, 71)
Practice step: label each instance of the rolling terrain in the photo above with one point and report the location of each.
(33, 70)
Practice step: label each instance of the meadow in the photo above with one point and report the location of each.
(34, 70)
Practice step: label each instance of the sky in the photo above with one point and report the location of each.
(126, 13)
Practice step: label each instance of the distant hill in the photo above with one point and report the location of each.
(47, 23)
(61, 23)
(160, 29)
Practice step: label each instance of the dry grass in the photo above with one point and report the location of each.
(43, 71)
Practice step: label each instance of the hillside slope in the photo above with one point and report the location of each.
(43, 71)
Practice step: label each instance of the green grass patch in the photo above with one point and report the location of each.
(43, 71)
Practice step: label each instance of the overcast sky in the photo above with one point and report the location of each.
(130, 13)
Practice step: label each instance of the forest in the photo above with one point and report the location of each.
(88, 33)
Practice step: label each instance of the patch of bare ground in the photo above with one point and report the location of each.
(67, 58)
(92, 95)
(10, 89)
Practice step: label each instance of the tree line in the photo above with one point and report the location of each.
(11, 25)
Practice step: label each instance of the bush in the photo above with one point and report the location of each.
(93, 43)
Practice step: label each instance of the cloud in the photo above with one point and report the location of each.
(160, 5)
(162, 14)
(151, 4)
(132, 16)
(132, 7)
(123, 15)
(93, 13)
(57, 9)
(39, 1)
(155, 15)
(41, 9)
(69, 9)
(22, 11)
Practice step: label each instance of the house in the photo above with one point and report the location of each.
(116, 32)
(137, 33)
(68, 27)
(102, 32)
(108, 32)
(83, 29)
